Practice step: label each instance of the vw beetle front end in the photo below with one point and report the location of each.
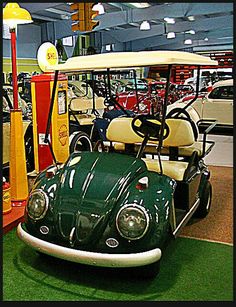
(99, 209)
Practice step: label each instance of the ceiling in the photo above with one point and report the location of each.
(213, 23)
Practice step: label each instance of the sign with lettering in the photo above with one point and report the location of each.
(47, 55)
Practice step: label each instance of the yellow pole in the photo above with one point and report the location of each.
(18, 172)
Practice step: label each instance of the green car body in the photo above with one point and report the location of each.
(112, 209)
(84, 198)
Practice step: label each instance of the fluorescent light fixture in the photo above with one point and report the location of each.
(169, 20)
(99, 7)
(108, 47)
(188, 42)
(191, 18)
(171, 35)
(139, 5)
(225, 37)
(190, 32)
(145, 25)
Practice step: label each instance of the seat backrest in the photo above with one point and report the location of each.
(180, 132)
(85, 104)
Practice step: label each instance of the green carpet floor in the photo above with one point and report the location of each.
(191, 270)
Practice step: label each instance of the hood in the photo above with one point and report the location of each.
(91, 185)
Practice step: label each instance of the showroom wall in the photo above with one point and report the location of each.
(28, 41)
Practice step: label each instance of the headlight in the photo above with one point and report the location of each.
(37, 204)
(132, 221)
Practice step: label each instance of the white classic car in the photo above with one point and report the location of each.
(215, 105)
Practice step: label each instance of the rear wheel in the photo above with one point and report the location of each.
(80, 142)
(205, 201)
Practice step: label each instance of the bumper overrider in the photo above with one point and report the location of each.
(90, 258)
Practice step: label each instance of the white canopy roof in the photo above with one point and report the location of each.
(130, 59)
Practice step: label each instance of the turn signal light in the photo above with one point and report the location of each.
(142, 183)
(51, 171)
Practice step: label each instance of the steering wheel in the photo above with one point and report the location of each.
(177, 112)
(149, 126)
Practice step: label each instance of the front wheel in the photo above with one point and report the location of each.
(80, 142)
(205, 201)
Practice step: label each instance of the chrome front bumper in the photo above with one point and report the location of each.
(90, 258)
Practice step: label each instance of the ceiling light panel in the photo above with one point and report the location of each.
(188, 42)
(139, 5)
(169, 20)
(145, 25)
(171, 35)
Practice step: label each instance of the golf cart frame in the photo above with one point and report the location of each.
(117, 210)
(186, 196)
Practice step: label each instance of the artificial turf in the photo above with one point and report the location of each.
(191, 270)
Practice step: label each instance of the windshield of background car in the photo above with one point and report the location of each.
(158, 86)
(222, 92)
(185, 87)
(140, 87)
(7, 100)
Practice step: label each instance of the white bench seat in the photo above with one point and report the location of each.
(183, 151)
(173, 169)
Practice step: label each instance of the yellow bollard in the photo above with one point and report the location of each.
(18, 171)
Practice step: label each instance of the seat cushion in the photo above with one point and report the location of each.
(187, 151)
(173, 169)
(84, 119)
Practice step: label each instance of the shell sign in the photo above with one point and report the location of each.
(63, 135)
(47, 55)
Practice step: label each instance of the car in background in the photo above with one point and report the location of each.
(176, 91)
(130, 84)
(158, 87)
(142, 102)
(214, 105)
(184, 89)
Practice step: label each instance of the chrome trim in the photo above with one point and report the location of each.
(186, 218)
(90, 258)
(146, 216)
(71, 236)
(112, 242)
(44, 229)
(46, 204)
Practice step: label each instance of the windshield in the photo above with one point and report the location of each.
(7, 100)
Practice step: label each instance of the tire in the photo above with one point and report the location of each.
(80, 142)
(205, 201)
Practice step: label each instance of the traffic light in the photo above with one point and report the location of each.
(90, 14)
(78, 17)
(83, 17)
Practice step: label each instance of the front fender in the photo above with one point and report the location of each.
(157, 201)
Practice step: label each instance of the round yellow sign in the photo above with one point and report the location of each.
(47, 56)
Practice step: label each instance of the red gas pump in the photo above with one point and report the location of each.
(41, 91)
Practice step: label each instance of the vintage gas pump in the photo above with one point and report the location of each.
(41, 93)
